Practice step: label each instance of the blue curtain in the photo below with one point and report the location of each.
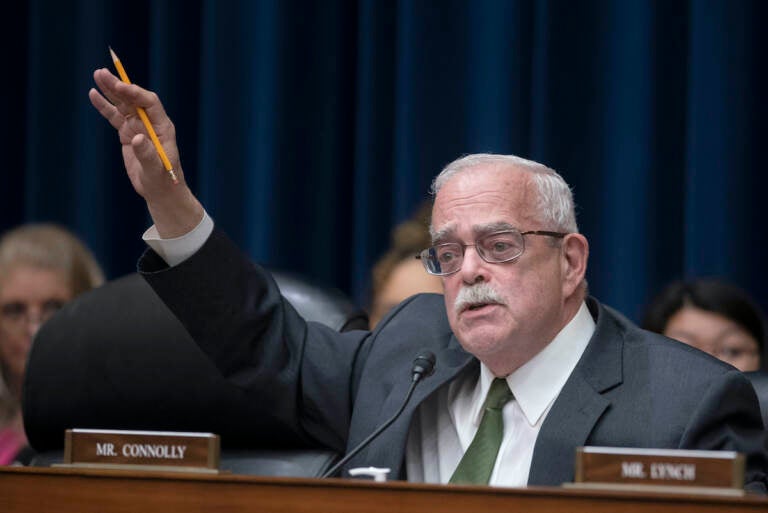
(309, 128)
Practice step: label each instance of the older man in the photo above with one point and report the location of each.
(528, 367)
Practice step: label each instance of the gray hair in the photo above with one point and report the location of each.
(555, 205)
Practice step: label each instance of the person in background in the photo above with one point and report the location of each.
(712, 315)
(42, 266)
(398, 275)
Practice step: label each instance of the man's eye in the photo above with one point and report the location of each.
(500, 245)
(446, 256)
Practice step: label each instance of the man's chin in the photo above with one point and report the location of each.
(480, 340)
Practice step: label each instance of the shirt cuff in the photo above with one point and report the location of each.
(174, 251)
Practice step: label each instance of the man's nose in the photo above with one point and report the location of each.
(473, 267)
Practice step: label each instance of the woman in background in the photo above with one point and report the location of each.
(711, 315)
(397, 275)
(42, 266)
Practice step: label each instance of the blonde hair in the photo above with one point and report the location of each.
(50, 246)
(45, 246)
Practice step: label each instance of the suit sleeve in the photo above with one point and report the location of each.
(728, 418)
(300, 374)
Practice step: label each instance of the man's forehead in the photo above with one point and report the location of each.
(483, 195)
(450, 230)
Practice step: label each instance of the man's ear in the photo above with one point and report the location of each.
(575, 252)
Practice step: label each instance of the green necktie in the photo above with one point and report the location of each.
(477, 463)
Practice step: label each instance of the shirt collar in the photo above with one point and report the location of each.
(537, 382)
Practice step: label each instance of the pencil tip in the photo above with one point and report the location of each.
(112, 52)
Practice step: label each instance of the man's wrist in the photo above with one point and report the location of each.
(175, 250)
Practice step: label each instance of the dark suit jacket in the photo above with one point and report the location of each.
(631, 388)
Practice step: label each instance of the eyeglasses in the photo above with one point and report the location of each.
(17, 315)
(494, 248)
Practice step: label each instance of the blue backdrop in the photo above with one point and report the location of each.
(309, 128)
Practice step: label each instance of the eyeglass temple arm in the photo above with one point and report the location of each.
(559, 235)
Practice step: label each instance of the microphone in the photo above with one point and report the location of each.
(423, 366)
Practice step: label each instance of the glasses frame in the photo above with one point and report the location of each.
(424, 255)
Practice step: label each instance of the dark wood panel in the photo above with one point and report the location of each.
(36, 490)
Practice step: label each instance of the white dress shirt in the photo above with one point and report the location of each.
(443, 426)
(175, 251)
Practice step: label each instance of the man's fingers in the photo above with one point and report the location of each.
(107, 83)
(134, 95)
(152, 105)
(109, 103)
(106, 109)
(156, 112)
(126, 97)
(145, 151)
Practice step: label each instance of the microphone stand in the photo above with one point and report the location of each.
(423, 366)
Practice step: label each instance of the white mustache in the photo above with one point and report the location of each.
(476, 294)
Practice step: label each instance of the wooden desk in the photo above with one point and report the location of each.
(75, 490)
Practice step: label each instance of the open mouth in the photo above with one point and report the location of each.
(477, 306)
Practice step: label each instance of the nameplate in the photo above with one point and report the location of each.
(660, 467)
(160, 450)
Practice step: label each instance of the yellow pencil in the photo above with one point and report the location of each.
(143, 115)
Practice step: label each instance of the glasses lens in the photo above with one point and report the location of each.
(501, 247)
(431, 263)
(441, 259)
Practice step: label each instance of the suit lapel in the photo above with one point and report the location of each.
(390, 446)
(568, 424)
(580, 403)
